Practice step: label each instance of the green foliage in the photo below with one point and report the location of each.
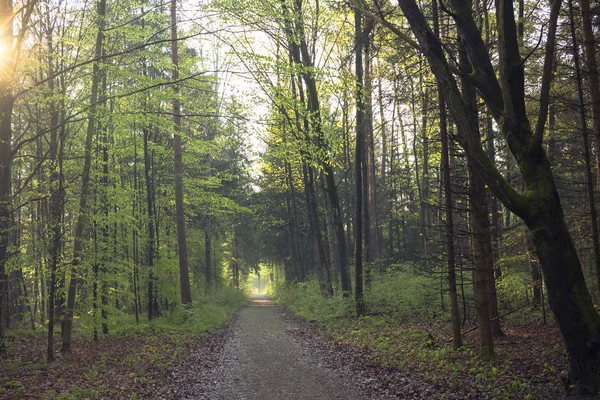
(306, 300)
(401, 293)
(203, 316)
(404, 294)
(512, 289)
(404, 329)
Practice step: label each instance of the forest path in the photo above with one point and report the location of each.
(265, 353)
(262, 361)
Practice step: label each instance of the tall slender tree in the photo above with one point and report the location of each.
(184, 275)
(82, 218)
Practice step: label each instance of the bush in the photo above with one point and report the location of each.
(205, 315)
(401, 293)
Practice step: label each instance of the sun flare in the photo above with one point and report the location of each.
(3, 59)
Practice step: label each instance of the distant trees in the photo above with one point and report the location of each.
(88, 221)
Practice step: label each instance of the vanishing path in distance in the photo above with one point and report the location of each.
(264, 353)
(262, 361)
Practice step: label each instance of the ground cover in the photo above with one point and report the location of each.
(530, 360)
(133, 362)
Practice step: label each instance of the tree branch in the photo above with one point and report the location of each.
(547, 75)
(432, 48)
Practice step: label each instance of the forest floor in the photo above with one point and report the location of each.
(264, 352)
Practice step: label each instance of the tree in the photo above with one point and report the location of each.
(358, 170)
(539, 205)
(82, 218)
(6, 109)
(186, 293)
(449, 213)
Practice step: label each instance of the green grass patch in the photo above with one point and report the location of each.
(204, 315)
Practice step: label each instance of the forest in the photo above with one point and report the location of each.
(412, 182)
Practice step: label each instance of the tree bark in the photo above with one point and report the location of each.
(82, 218)
(184, 274)
(151, 239)
(358, 170)
(449, 205)
(589, 177)
(589, 47)
(56, 197)
(478, 220)
(369, 182)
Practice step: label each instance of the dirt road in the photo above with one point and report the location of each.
(265, 354)
(263, 361)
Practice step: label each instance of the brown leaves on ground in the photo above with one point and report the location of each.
(387, 359)
(401, 360)
(114, 367)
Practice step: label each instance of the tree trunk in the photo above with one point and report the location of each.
(449, 206)
(150, 240)
(369, 200)
(208, 278)
(534, 264)
(134, 232)
(57, 195)
(294, 231)
(589, 177)
(589, 47)
(384, 209)
(85, 184)
(184, 275)
(311, 202)
(6, 105)
(358, 171)
(539, 206)
(478, 221)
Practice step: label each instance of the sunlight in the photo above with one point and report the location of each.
(3, 59)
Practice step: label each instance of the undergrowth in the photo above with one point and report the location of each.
(128, 363)
(405, 329)
(204, 315)
(399, 294)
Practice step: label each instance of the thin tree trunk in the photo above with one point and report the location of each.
(184, 275)
(208, 278)
(151, 239)
(85, 183)
(56, 201)
(589, 47)
(478, 221)
(382, 194)
(360, 121)
(134, 232)
(589, 177)
(445, 161)
(369, 188)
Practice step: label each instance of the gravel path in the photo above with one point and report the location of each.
(262, 360)
(264, 353)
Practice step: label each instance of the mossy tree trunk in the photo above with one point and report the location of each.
(539, 205)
